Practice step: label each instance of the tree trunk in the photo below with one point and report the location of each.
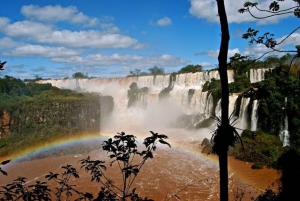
(223, 158)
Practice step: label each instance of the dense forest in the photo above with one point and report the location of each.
(32, 112)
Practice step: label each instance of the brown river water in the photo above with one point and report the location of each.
(177, 172)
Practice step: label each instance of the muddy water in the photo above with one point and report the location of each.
(181, 171)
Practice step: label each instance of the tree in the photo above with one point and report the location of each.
(191, 69)
(137, 72)
(79, 75)
(267, 38)
(225, 135)
(156, 71)
(220, 139)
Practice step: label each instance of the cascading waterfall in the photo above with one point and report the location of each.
(243, 116)
(185, 96)
(231, 106)
(209, 106)
(284, 134)
(254, 116)
(257, 75)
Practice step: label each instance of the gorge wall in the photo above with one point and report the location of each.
(164, 100)
(44, 115)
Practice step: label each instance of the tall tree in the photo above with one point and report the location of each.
(219, 145)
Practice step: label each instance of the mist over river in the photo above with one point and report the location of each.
(177, 172)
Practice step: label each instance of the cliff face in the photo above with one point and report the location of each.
(54, 115)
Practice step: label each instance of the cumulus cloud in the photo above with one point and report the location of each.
(259, 49)
(7, 43)
(43, 51)
(26, 29)
(164, 21)
(207, 9)
(42, 33)
(3, 22)
(127, 60)
(58, 13)
(293, 39)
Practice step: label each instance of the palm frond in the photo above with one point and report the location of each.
(225, 135)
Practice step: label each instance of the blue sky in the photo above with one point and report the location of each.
(108, 38)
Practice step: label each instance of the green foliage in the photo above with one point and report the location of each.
(43, 109)
(241, 83)
(79, 75)
(259, 148)
(137, 72)
(257, 165)
(191, 69)
(156, 71)
(277, 86)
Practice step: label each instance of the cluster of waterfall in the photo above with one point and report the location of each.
(161, 113)
(186, 97)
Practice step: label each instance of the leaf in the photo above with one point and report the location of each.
(164, 142)
(5, 162)
(3, 172)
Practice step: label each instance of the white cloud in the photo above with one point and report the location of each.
(41, 33)
(215, 53)
(258, 50)
(26, 29)
(43, 51)
(3, 22)
(124, 60)
(164, 21)
(206, 64)
(58, 13)
(7, 43)
(293, 40)
(207, 9)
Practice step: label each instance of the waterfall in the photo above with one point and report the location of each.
(218, 109)
(257, 75)
(243, 116)
(184, 97)
(284, 134)
(254, 115)
(231, 106)
(209, 106)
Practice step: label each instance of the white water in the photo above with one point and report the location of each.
(243, 116)
(254, 116)
(257, 75)
(160, 114)
(284, 134)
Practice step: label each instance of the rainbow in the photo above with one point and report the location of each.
(73, 141)
(64, 142)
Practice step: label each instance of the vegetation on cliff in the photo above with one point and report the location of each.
(33, 113)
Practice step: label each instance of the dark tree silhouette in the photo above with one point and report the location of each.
(2, 65)
(267, 39)
(123, 153)
(225, 135)
(219, 145)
